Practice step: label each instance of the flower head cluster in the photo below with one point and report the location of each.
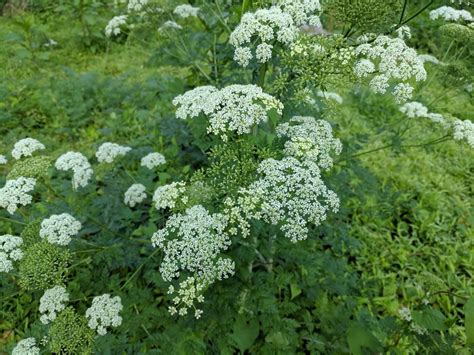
(186, 10)
(310, 139)
(104, 312)
(464, 130)
(26, 347)
(233, 109)
(428, 58)
(107, 152)
(290, 194)
(9, 251)
(3, 160)
(136, 5)
(416, 109)
(153, 160)
(80, 166)
(113, 27)
(26, 147)
(58, 229)
(192, 242)
(171, 25)
(403, 32)
(15, 192)
(135, 195)
(52, 302)
(448, 13)
(303, 12)
(166, 196)
(393, 61)
(327, 95)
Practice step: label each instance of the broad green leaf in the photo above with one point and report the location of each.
(277, 339)
(295, 290)
(430, 319)
(360, 338)
(244, 333)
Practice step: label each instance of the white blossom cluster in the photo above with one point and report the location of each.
(428, 58)
(172, 25)
(104, 312)
(136, 5)
(233, 109)
(58, 229)
(26, 147)
(327, 95)
(113, 27)
(80, 166)
(52, 302)
(192, 242)
(403, 32)
(303, 12)
(15, 193)
(26, 347)
(392, 61)
(135, 195)
(153, 160)
(416, 109)
(448, 13)
(310, 139)
(405, 314)
(166, 196)
(290, 194)
(9, 251)
(3, 160)
(464, 130)
(186, 10)
(107, 152)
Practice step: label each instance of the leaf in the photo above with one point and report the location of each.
(359, 338)
(295, 290)
(430, 318)
(469, 321)
(244, 333)
(277, 339)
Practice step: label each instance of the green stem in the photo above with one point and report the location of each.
(261, 75)
(139, 268)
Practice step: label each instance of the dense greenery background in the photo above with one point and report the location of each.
(404, 234)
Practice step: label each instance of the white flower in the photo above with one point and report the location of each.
(303, 12)
(25, 147)
(415, 328)
(167, 195)
(9, 251)
(52, 302)
(153, 160)
(405, 314)
(414, 109)
(243, 55)
(464, 130)
(113, 27)
(26, 347)
(233, 109)
(136, 5)
(186, 10)
(264, 52)
(330, 96)
(310, 139)
(15, 192)
(58, 229)
(403, 32)
(80, 166)
(448, 13)
(363, 68)
(3, 160)
(104, 312)
(171, 25)
(107, 152)
(379, 84)
(135, 195)
(402, 92)
(427, 58)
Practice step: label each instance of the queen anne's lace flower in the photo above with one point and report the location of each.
(153, 160)
(171, 25)
(402, 92)
(192, 243)
(15, 192)
(26, 147)
(104, 312)
(327, 95)
(135, 195)
(136, 5)
(186, 10)
(58, 229)
(9, 251)
(414, 109)
(26, 347)
(303, 12)
(80, 166)
(235, 108)
(464, 130)
(113, 27)
(3, 160)
(448, 13)
(107, 152)
(428, 58)
(405, 314)
(52, 302)
(310, 139)
(166, 196)
(403, 32)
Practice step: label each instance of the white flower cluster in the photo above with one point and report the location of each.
(405, 314)
(290, 194)
(186, 10)
(166, 196)
(280, 23)
(136, 5)
(235, 108)
(9, 251)
(310, 139)
(192, 243)
(58, 229)
(464, 130)
(15, 192)
(107, 152)
(428, 58)
(113, 27)
(327, 95)
(403, 32)
(171, 25)
(52, 302)
(26, 347)
(135, 195)
(80, 166)
(104, 312)
(153, 160)
(416, 109)
(392, 60)
(448, 13)
(3, 160)
(26, 147)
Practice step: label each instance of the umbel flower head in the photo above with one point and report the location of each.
(9, 251)
(136, 5)
(166, 196)
(233, 109)
(3, 160)
(80, 166)
(32, 167)
(104, 313)
(15, 193)
(448, 13)
(113, 27)
(464, 130)
(107, 152)
(52, 302)
(58, 229)
(186, 10)
(135, 195)
(26, 347)
(153, 160)
(26, 147)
